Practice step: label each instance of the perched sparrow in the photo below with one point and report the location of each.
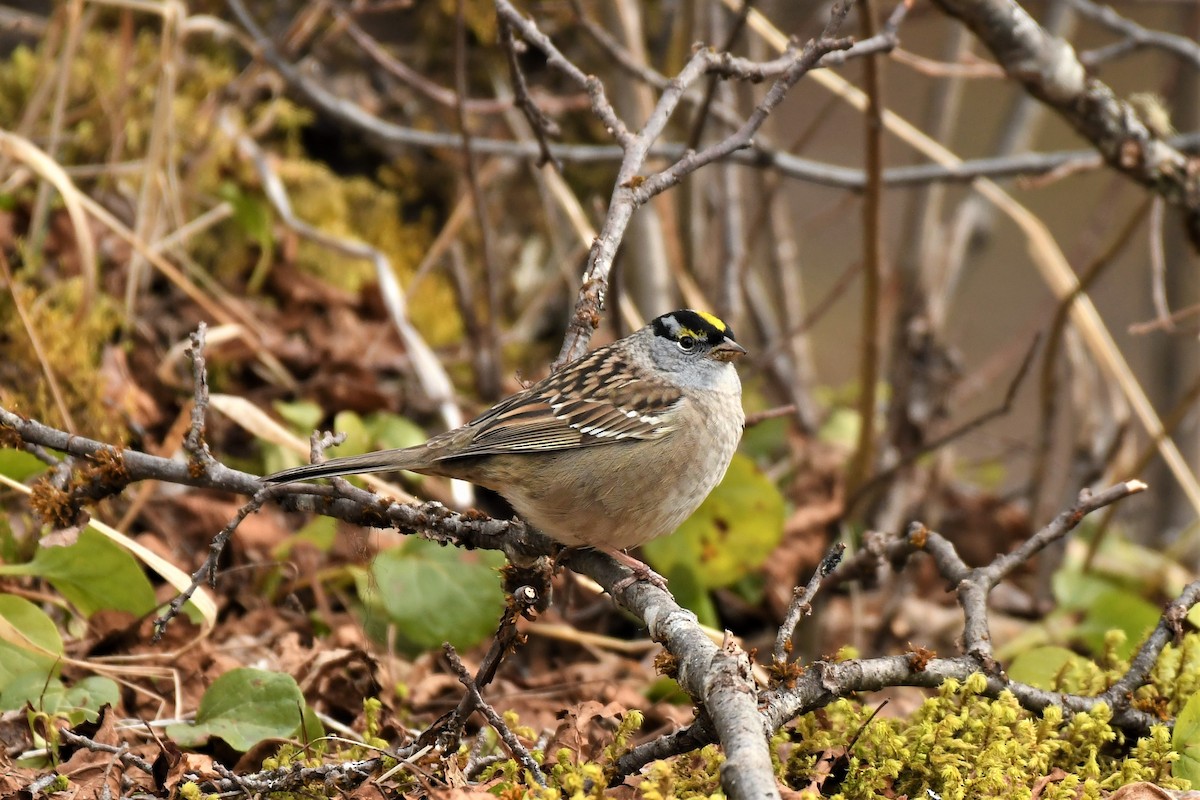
(614, 450)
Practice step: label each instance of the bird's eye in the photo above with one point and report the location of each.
(687, 343)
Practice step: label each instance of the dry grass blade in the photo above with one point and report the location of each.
(22, 150)
(35, 341)
(258, 422)
(202, 600)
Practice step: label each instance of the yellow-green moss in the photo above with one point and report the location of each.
(961, 744)
(73, 348)
(360, 209)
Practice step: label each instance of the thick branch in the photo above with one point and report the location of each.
(718, 678)
(1049, 69)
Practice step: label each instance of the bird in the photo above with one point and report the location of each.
(611, 451)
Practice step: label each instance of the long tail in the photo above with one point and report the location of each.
(381, 461)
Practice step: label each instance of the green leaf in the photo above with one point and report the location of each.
(1078, 590)
(37, 688)
(93, 573)
(89, 695)
(667, 690)
(357, 439)
(245, 706)
(1185, 739)
(732, 532)
(391, 431)
(82, 701)
(766, 439)
(303, 414)
(1118, 609)
(841, 428)
(1044, 667)
(29, 640)
(251, 213)
(435, 594)
(19, 465)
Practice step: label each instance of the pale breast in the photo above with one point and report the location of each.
(623, 494)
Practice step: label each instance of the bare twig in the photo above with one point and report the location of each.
(208, 570)
(521, 604)
(518, 750)
(755, 417)
(717, 678)
(486, 346)
(823, 682)
(411, 77)
(801, 604)
(870, 322)
(358, 506)
(710, 91)
(1158, 266)
(632, 189)
(298, 778)
(543, 127)
(430, 372)
(194, 443)
(1048, 394)
(126, 758)
(1136, 37)
(392, 135)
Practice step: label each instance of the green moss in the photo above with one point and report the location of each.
(961, 744)
(72, 342)
(1176, 675)
(358, 208)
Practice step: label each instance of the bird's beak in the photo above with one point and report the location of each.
(728, 350)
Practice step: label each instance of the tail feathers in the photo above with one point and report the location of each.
(381, 461)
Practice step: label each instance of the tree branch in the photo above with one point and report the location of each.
(1049, 69)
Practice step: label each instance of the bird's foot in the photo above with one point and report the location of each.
(641, 572)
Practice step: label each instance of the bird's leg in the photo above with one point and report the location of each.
(641, 571)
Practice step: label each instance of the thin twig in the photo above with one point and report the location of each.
(1158, 265)
(194, 443)
(521, 604)
(208, 570)
(710, 91)
(1048, 394)
(1136, 37)
(633, 190)
(518, 750)
(411, 77)
(821, 683)
(298, 778)
(543, 127)
(121, 752)
(756, 417)
(870, 323)
(486, 346)
(801, 604)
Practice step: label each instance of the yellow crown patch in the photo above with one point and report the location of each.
(713, 320)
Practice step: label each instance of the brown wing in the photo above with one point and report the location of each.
(584, 405)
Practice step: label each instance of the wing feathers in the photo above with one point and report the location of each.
(580, 407)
